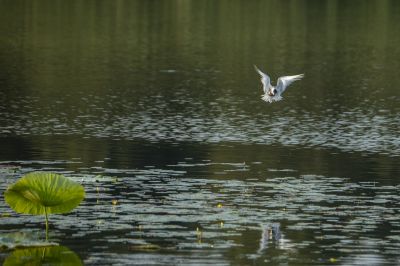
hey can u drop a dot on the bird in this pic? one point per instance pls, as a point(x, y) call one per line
point(274, 93)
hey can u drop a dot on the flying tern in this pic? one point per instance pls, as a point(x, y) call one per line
point(273, 93)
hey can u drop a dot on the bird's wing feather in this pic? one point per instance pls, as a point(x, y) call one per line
point(265, 80)
point(285, 81)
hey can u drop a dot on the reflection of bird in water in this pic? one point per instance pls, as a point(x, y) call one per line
point(273, 93)
point(269, 233)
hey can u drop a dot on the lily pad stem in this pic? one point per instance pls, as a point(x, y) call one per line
point(47, 223)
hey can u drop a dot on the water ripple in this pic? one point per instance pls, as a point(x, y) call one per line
point(162, 209)
point(357, 129)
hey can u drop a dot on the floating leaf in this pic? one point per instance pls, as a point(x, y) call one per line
point(333, 260)
point(145, 247)
point(39, 193)
point(57, 255)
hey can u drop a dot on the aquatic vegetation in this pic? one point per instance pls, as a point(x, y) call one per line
point(164, 214)
point(56, 255)
point(41, 193)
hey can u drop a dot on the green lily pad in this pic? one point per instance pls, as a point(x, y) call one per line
point(40, 193)
point(57, 255)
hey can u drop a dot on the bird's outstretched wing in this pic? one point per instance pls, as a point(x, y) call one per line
point(265, 80)
point(284, 82)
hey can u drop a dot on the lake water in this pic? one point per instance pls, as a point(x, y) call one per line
point(154, 107)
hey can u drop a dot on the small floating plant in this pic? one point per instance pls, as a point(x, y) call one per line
point(43, 193)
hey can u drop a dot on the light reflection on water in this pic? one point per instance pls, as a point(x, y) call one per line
point(145, 213)
point(155, 107)
point(355, 129)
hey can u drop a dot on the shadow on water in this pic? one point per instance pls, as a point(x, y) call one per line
point(81, 154)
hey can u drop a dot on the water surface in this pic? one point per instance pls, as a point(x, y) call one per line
point(154, 106)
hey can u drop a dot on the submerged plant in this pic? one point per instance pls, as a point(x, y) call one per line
point(41, 193)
